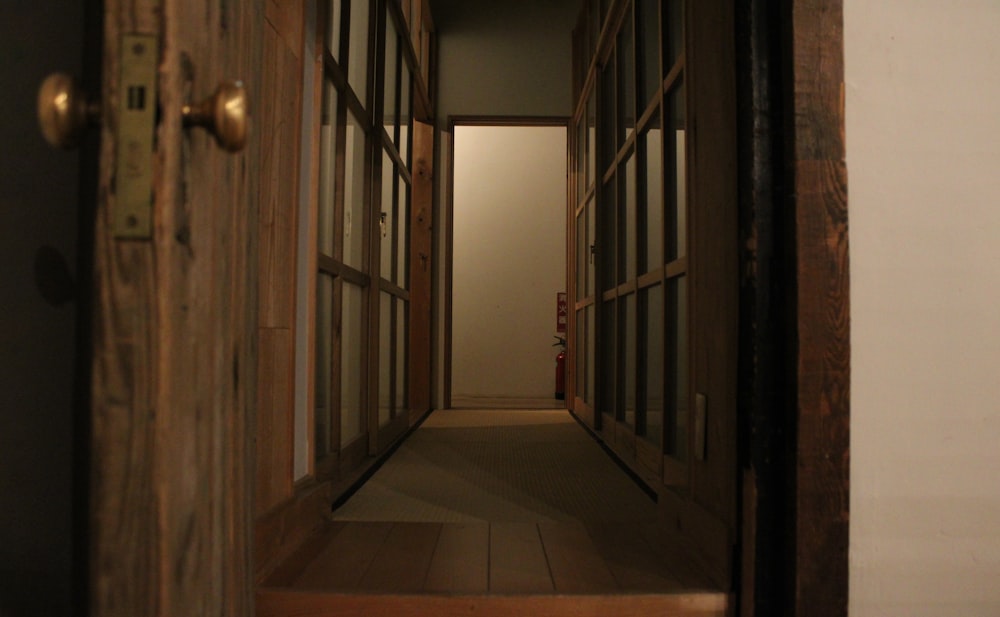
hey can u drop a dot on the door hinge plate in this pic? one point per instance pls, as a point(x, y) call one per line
point(136, 132)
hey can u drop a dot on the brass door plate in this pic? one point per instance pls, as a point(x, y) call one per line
point(136, 131)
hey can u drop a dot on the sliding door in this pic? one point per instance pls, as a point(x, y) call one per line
point(655, 275)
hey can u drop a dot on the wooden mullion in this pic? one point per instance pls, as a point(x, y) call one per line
point(346, 92)
point(331, 266)
point(396, 157)
point(395, 290)
point(650, 279)
point(626, 288)
point(336, 365)
point(582, 304)
point(675, 268)
point(418, 85)
point(392, 361)
point(676, 73)
point(649, 112)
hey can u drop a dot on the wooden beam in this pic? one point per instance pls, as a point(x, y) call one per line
point(822, 329)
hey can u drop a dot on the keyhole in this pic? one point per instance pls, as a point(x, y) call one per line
point(137, 97)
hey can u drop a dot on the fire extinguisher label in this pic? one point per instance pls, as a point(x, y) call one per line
point(562, 312)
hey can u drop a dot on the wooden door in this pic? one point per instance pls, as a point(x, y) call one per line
point(655, 268)
point(174, 318)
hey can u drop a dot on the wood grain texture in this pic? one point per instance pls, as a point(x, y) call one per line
point(279, 129)
point(421, 268)
point(173, 391)
point(283, 532)
point(574, 561)
point(517, 560)
point(279, 134)
point(274, 429)
point(461, 559)
point(400, 566)
point(711, 81)
point(284, 603)
point(360, 542)
point(635, 562)
point(822, 469)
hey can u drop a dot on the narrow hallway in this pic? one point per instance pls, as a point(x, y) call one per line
point(491, 506)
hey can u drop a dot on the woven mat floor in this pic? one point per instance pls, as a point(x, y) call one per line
point(465, 466)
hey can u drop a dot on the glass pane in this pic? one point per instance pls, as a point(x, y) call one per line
point(385, 360)
point(581, 162)
point(333, 28)
point(630, 225)
point(608, 243)
point(591, 353)
point(652, 154)
point(400, 400)
point(402, 234)
point(357, 70)
point(324, 353)
point(591, 245)
point(351, 376)
point(390, 110)
point(327, 172)
point(628, 350)
point(676, 176)
point(607, 132)
point(594, 26)
point(673, 33)
point(609, 368)
point(648, 50)
point(677, 420)
point(591, 137)
point(387, 216)
point(580, 359)
point(652, 310)
point(582, 255)
point(354, 193)
point(405, 114)
point(626, 82)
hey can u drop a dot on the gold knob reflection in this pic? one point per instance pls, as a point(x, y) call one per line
point(225, 114)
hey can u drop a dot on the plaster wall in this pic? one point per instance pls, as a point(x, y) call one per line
point(509, 259)
point(923, 154)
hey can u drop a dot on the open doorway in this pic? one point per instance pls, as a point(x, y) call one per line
point(507, 196)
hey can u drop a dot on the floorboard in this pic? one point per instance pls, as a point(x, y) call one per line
point(461, 559)
point(400, 566)
point(346, 558)
point(575, 563)
point(285, 603)
point(517, 559)
point(488, 514)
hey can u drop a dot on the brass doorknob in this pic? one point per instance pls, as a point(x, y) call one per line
point(63, 111)
point(225, 114)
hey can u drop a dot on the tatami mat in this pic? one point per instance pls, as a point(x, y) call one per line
point(465, 466)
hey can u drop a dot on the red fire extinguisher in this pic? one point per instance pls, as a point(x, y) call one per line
point(560, 369)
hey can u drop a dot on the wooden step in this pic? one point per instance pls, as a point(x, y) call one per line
point(295, 603)
point(482, 569)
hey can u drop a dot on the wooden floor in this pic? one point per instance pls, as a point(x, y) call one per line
point(553, 565)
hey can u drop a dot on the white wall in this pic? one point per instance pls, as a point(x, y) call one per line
point(509, 259)
point(923, 138)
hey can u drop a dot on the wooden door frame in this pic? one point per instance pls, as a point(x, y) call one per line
point(795, 310)
point(449, 209)
point(805, 332)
